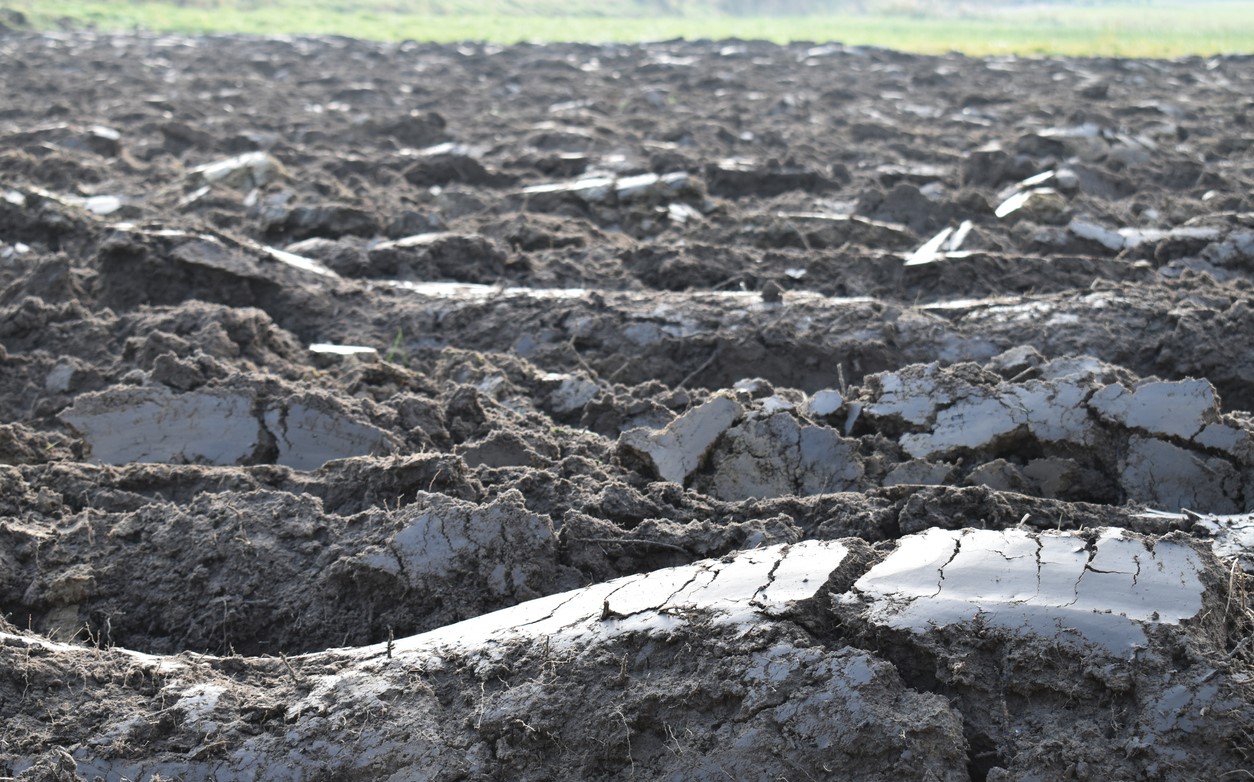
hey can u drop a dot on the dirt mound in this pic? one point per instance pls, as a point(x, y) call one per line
point(666, 411)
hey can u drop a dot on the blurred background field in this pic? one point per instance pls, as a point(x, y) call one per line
point(1150, 28)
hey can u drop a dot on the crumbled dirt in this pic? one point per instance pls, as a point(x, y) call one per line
point(311, 345)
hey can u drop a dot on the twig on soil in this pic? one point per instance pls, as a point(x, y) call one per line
point(1024, 375)
point(738, 280)
point(805, 242)
point(704, 366)
point(290, 670)
point(1232, 586)
point(633, 540)
point(1237, 649)
point(591, 372)
point(436, 477)
point(619, 371)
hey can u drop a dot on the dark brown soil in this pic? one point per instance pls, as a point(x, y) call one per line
point(545, 248)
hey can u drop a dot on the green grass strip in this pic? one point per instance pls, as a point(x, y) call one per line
point(1119, 29)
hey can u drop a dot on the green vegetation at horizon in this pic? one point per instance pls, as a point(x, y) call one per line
point(1150, 28)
